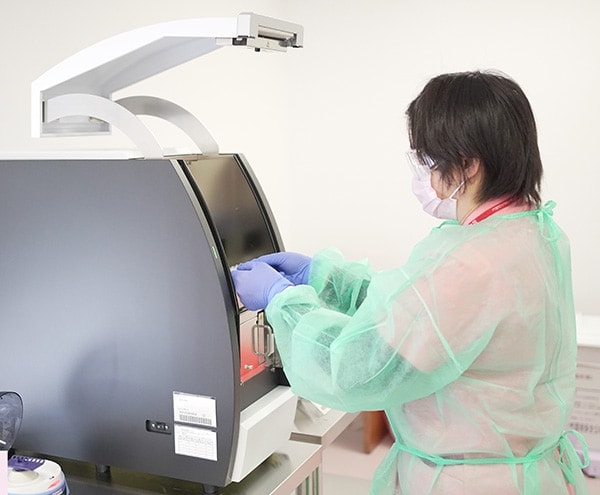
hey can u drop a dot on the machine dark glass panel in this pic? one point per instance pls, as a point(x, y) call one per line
point(233, 207)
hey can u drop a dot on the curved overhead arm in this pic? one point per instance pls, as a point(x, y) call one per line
point(127, 58)
point(107, 110)
point(177, 115)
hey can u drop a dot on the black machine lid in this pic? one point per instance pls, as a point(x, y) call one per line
point(11, 414)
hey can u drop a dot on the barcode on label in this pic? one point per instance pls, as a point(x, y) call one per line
point(186, 418)
point(197, 410)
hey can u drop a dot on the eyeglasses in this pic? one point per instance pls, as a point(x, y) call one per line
point(420, 164)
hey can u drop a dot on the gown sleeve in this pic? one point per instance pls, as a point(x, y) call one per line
point(355, 340)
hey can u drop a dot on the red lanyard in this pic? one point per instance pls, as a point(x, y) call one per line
point(492, 210)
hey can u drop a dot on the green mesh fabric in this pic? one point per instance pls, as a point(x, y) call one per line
point(469, 347)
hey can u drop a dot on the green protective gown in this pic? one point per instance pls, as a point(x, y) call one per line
point(470, 349)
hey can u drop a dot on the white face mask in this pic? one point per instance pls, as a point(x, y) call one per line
point(440, 208)
point(421, 167)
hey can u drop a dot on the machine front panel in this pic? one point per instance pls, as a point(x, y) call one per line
point(242, 224)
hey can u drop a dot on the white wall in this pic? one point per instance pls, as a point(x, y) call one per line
point(323, 127)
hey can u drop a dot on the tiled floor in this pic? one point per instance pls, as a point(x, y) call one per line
point(348, 470)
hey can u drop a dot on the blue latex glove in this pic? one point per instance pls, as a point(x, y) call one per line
point(257, 283)
point(293, 266)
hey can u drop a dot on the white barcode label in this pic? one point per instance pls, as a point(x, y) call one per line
point(194, 409)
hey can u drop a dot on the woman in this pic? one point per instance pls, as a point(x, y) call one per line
point(470, 346)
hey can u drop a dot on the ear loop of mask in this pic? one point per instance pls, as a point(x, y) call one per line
point(457, 189)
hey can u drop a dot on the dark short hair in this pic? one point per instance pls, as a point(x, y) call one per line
point(479, 115)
